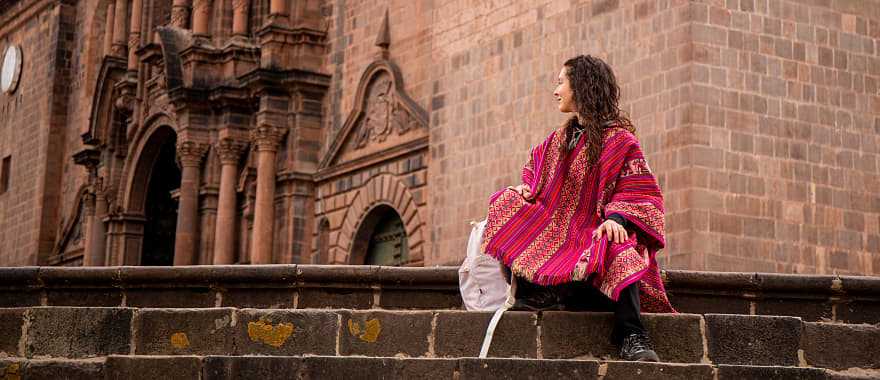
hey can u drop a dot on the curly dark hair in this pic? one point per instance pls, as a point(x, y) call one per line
point(596, 97)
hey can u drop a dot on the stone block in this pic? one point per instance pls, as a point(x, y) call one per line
point(101, 297)
point(566, 335)
point(859, 310)
point(183, 297)
point(676, 337)
point(104, 277)
point(20, 276)
point(528, 369)
point(335, 298)
point(354, 275)
point(286, 332)
point(639, 370)
point(420, 299)
point(263, 298)
point(87, 331)
point(151, 368)
point(753, 340)
point(804, 308)
point(385, 333)
point(20, 297)
point(184, 332)
point(742, 372)
point(11, 321)
point(253, 367)
point(64, 369)
point(709, 303)
point(841, 346)
point(146, 276)
point(379, 368)
point(277, 274)
point(460, 334)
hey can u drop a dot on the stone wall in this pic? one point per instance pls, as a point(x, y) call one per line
point(759, 117)
point(781, 156)
point(32, 127)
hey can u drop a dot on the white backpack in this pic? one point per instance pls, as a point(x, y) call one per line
point(482, 286)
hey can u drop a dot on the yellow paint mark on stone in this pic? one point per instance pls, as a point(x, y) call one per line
point(10, 372)
point(179, 340)
point(274, 336)
point(370, 332)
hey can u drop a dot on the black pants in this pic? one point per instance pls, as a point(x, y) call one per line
point(583, 296)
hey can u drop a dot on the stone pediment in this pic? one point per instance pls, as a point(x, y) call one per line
point(384, 119)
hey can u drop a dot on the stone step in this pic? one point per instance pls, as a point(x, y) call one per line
point(82, 332)
point(332, 367)
point(847, 299)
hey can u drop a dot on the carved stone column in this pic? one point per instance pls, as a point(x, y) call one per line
point(240, 17)
point(119, 30)
point(224, 242)
point(190, 154)
point(95, 256)
point(266, 139)
point(180, 10)
point(200, 17)
point(134, 36)
point(278, 12)
point(90, 158)
point(108, 32)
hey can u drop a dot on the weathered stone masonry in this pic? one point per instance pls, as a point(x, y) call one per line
point(297, 126)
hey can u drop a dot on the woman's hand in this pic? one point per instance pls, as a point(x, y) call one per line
point(523, 190)
point(614, 231)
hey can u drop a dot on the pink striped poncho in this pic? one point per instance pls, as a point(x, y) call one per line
point(547, 238)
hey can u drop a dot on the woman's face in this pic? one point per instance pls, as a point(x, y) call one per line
point(563, 93)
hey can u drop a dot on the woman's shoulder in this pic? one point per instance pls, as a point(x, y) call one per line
point(620, 134)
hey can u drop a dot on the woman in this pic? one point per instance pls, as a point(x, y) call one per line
point(583, 229)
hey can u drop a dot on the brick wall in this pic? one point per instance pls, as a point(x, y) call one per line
point(784, 125)
point(759, 117)
point(493, 99)
point(31, 129)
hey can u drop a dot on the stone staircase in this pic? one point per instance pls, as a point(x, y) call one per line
point(319, 322)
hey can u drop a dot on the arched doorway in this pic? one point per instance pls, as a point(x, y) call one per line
point(160, 208)
point(381, 239)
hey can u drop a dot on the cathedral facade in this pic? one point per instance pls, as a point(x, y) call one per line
point(194, 132)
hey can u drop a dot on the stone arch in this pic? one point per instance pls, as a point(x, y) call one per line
point(142, 155)
point(383, 189)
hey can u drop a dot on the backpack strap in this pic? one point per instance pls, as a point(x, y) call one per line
point(490, 331)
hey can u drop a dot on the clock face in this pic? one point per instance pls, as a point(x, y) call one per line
point(11, 69)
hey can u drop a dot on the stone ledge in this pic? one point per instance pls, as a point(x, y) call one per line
point(403, 276)
point(730, 339)
point(323, 367)
point(813, 298)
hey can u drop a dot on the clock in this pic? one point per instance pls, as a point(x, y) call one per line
point(11, 69)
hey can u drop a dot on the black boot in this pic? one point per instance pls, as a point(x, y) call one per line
point(637, 347)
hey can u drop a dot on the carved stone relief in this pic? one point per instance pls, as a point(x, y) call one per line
point(383, 114)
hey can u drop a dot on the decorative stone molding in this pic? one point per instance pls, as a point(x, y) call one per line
point(382, 108)
point(267, 137)
point(382, 115)
point(191, 153)
point(180, 16)
point(229, 150)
